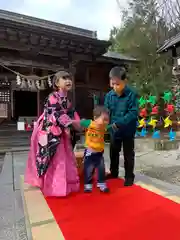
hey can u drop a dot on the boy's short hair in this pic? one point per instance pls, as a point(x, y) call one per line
point(99, 110)
point(119, 72)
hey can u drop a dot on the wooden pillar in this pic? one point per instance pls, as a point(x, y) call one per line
point(87, 80)
point(72, 69)
point(38, 103)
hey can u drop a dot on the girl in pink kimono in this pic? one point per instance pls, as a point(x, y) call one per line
point(51, 163)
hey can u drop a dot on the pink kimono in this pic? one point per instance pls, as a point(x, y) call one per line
point(51, 164)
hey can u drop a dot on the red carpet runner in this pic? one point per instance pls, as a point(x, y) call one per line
point(124, 214)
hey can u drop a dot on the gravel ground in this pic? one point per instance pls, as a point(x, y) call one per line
point(169, 174)
point(162, 165)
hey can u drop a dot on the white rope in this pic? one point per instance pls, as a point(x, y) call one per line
point(24, 76)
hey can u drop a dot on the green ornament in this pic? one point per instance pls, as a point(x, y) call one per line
point(167, 96)
point(152, 100)
point(142, 102)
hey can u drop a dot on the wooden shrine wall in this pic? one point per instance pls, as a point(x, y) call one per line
point(5, 99)
point(90, 80)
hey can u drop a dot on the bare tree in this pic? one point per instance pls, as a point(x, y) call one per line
point(170, 10)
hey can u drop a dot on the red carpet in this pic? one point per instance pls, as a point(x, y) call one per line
point(124, 214)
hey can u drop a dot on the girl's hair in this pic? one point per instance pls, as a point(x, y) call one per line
point(57, 76)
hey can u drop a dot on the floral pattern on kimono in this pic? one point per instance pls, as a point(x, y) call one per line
point(57, 116)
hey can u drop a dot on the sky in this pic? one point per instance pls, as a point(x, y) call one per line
point(96, 15)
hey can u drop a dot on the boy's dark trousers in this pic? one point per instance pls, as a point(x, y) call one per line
point(128, 151)
point(92, 162)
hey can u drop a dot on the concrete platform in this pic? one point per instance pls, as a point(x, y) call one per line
point(40, 220)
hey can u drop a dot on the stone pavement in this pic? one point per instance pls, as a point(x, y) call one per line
point(12, 222)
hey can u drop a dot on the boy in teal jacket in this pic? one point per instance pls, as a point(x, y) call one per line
point(122, 104)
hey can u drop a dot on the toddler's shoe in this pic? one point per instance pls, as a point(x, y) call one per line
point(103, 187)
point(88, 188)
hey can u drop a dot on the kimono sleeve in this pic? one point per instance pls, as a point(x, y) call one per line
point(76, 116)
point(52, 116)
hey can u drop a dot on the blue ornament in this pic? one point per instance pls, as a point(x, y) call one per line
point(137, 134)
point(143, 132)
point(137, 124)
point(156, 134)
point(172, 135)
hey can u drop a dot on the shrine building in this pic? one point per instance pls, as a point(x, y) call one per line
point(36, 48)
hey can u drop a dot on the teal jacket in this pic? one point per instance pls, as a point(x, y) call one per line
point(123, 112)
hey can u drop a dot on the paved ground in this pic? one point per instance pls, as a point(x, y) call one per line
point(12, 224)
point(161, 165)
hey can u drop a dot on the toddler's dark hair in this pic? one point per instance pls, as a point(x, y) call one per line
point(99, 110)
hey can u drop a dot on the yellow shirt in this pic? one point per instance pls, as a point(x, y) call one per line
point(94, 138)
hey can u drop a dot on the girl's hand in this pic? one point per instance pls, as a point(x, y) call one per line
point(76, 124)
point(65, 120)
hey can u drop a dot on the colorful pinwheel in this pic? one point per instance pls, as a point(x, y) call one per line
point(167, 122)
point(152, 100)
point(153, 122)
point(167, 96)
point(142, 102)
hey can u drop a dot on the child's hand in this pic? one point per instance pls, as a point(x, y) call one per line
point(114, 127)
point(76, 124)
point(65, 120)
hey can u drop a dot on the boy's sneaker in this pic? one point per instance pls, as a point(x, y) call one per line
point(88, 188)
point(103, 187)
point(128, 182)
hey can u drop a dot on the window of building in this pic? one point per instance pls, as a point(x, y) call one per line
point(4, 96)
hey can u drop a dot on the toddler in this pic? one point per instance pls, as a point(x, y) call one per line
point(94, 148)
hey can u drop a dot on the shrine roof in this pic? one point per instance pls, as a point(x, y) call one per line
point(37, 22)
point(170, 43)
point(119, 56)
point(48, 35)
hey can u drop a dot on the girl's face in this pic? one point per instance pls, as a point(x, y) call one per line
point(64, 83)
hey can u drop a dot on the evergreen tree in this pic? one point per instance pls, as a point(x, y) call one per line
point(139, 35)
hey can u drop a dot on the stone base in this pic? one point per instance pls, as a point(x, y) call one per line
point(165, 145)
point(79, 160)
